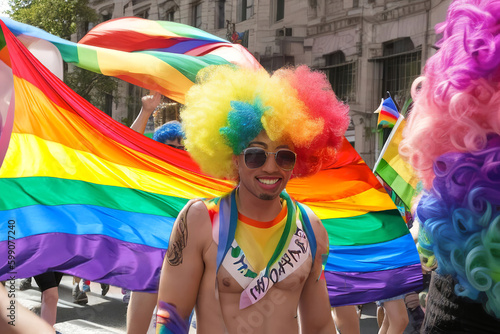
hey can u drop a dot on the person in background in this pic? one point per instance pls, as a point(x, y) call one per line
point(141, 304)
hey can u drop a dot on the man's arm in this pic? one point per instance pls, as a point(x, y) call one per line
point(183, 265)
point(149, 104)
point(314, 304)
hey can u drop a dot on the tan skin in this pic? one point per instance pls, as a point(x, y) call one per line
point(191, 281)
point(346, 319)
point(149, 104)
point(24, 320)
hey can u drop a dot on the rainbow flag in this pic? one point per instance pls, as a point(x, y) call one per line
point(398, 174)
point(372, 254)
point(90, 197)
point(387, 114)
point(158, 55)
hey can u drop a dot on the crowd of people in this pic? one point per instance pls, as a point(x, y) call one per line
point(251, 261)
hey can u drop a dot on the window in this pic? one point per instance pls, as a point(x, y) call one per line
point(220, 14)
point(342, 76)
point(197, 15)
point(398, 46)
point(106, 15)
point(144, 14)
point(280, 10)
point(400, 65)
point(108, 104)
point(244, 10)
point(169, 16)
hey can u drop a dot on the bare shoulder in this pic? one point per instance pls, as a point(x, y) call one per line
point(191, 232)
point(195, 211)
point(197, 220)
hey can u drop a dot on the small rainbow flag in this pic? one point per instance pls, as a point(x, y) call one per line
point(387, 114)
point(87, 196)
point(398, 174)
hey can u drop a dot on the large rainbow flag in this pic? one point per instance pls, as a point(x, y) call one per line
point(158, 55)
point(88, 196)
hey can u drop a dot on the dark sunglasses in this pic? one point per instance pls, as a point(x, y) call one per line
point(256, 157)
point(179, 147)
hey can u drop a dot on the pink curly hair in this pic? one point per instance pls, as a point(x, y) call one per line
point(457, 99)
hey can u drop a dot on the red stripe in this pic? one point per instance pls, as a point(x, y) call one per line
point(129, 41)
point(388, 114)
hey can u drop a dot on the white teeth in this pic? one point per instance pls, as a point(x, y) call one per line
point(268, 181)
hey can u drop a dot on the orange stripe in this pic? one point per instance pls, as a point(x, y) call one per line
point(4, 56)
point(259, 224)
point(345, 182)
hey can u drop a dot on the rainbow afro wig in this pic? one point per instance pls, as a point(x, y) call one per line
point(228, 107)
point(169, 131)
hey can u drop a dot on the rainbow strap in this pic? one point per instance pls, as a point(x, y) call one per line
point(228, 219)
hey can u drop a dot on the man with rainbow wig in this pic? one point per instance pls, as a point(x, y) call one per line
point(251, 261)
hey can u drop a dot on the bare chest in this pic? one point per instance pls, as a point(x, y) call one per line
point(292, 282)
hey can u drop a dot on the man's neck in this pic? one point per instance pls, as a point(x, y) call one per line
point(255, 208)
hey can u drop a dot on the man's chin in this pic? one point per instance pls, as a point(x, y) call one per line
point(268, 197)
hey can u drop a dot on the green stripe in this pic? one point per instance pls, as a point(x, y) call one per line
point(87, 59)
point(189, 66)
point(286, 236)
point(53, 191)
point(69, 52)
point(370, 228)
point(402, 188)
point(3, 43)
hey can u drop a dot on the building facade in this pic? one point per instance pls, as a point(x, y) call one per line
point(366, 47)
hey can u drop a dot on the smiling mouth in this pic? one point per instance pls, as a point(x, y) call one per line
point(268, 181)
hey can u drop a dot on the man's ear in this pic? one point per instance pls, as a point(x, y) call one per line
point(236, 161)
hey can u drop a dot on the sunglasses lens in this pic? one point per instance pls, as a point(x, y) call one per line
point(285, 159)
point(255, 157)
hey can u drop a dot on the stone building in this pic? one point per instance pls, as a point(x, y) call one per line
point(366, 47)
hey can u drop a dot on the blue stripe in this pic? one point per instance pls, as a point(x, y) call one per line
point(185, 46)
point(387, 255)
point(139, 228)
point(18, 28)
point(224, 212)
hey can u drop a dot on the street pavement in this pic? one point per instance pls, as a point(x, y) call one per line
point(103, 315)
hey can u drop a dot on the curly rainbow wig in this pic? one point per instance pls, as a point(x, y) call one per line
point(460, 220)
point(452, 141)
point(228, 107)
point(457, 99)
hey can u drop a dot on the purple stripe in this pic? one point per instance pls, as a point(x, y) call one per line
point(97, 258)
point(184, 46)
point(361, 288)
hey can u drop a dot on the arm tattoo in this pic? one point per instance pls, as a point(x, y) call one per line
point(174, 251)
